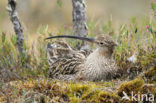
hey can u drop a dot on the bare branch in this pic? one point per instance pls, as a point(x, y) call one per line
point(11, 8)
point(79, 18)
point(79, 21)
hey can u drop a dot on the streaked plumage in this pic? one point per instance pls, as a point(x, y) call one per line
point(68, 64)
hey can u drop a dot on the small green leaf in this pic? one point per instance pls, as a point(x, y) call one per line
point(154, 7)
point(3, 37)
point(43, 29)
point(59, 3)
point(133, 20)
point(14, 39)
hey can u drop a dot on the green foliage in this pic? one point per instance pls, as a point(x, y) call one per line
point(153, 6)
point(59, 3)
point(24, 65)
point(3, 37)
point(8, 53)
point(147, 59)
point(43, 29)
point(13, 39)
point(108, 27)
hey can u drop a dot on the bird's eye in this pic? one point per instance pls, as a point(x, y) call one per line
point(101, 43)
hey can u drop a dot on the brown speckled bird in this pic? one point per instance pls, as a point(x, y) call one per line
point(68, 64)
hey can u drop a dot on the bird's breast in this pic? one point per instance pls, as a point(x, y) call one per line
point(98, 67)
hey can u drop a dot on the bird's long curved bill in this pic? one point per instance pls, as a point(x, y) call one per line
point(73, 37)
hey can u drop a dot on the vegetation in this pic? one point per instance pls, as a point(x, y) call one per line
point(24, 72)
point(24, 78)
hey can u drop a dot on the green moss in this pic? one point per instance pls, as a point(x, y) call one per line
point(49, 90)
point(106, 97)
point(148, 89)
point(60, 92)
point(128, 87)
point(100, 96)
point(150, 75)
point(89, 93)
point(153, 90)
point(77, 89)
point(75, 100)
point(151, 72)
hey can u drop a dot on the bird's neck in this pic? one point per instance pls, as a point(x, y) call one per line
point(97, 63)
point(107, 53)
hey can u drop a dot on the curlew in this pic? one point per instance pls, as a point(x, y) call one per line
point(68, 64)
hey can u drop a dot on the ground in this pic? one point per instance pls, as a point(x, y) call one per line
point(24, 78)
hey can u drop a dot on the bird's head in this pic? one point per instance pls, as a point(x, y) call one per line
point(104, 42)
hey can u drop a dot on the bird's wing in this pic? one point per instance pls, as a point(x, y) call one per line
point(114, 70)
point(63, 60)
